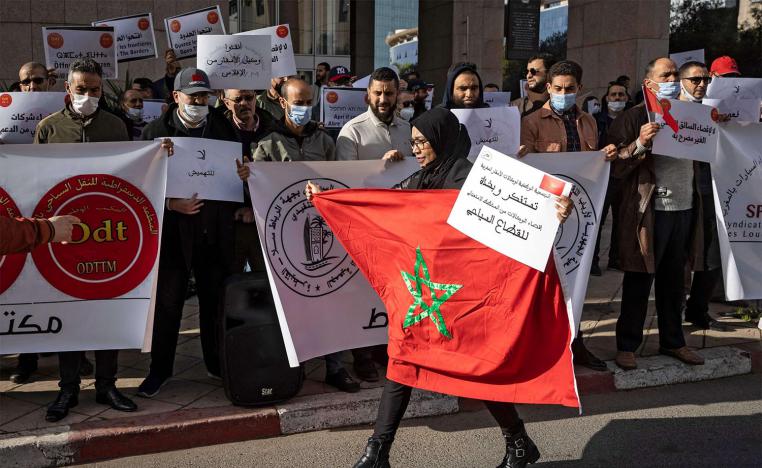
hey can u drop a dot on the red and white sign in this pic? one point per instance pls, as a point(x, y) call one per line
point(340, 105)
point(65, 44)
point(21, 112)
point(135, 39)
point(283, 61)
point(183, 29)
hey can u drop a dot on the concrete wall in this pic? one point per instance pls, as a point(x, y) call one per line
point(612, 38)
point(21, 23)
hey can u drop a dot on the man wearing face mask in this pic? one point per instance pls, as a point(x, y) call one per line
point(131, 112)
point(270, 101)
point(537, 79)
point(658, 225)
point(405, 103)
point(79, 122)
point(197, 235)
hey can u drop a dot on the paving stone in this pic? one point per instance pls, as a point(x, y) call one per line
point(36, 420)
point(183, 392)
point(12, 408)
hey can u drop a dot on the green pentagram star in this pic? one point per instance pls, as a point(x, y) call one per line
point(414, 283)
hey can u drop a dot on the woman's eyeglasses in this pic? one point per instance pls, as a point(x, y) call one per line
point(419, 144)
point(698, 79)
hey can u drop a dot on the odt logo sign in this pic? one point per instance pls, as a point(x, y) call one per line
point(114, 246)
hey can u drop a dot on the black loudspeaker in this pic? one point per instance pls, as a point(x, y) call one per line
point(255, 368)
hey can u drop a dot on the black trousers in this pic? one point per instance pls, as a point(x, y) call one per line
point(394, 401)
point(210, 271)
point(672, 234)
point(705, 281)
point(613, 195)
point(106, 364)
point(28, 361)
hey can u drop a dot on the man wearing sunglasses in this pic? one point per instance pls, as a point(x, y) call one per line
point(537, 78)
point(33, 76)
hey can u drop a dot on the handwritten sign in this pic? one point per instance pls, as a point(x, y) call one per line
point(21, 112)
point(340, 105)
point(688, 56)
point(152, 109)
point(497, 98)
point(135, 39)
point(696, 137)
point(235, 62)
point(65, 44)
point(283, 62)
point(739, 97)
point(184, 29)
point(499, 127)
point(205, 167)
point(509, 206)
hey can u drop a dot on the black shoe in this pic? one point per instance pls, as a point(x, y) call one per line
point(22, 374)
point(376, 454)
point(59, 409)
point(520, 451)
point(343, 381)
point(703, 322)
point(115, 399)
point(151, 385)
point(583, 357)
point(366, 370)
point(595, 270)
point(85, 367)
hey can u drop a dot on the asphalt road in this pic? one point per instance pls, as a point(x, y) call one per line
point(715, 423)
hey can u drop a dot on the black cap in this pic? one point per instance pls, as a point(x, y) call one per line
point(339, 73)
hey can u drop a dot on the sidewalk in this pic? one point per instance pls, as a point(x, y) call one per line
point(192, 409)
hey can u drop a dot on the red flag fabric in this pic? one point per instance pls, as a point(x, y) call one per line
point(661, 107)
point(463, 319)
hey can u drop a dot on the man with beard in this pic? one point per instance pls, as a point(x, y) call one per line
point(537, 79)
point(270, 101)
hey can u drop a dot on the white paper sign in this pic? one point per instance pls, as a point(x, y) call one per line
point(21, 112)
point(739, 97)
point(340, 105)
point(497, 98)
point(65, 44)
point(363, 82)
point(509, 206)
point(283, 62)
point(737, 183)
point(498, 127)
point(135, 39)
point(152, 109)
point(324, 303)
point(697, 133)
point(206, 167)
point(96, 291)
point(739, 110)
point(235, 62)
point(688, 56)
point(183, 30)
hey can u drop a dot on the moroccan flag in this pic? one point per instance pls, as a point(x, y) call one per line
point(661, 107)
point(463, 319)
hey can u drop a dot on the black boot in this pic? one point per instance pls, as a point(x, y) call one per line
point(59, 409)
point(376, 454)
point(520, 451)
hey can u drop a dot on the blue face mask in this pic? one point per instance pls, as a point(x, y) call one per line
point(299, 115)
point(669, 90)
point(562, 102)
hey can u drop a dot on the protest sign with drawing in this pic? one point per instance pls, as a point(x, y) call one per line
point(21, 112)
point(283, 61)
point(205, 167)
point(65, 44)
point(135, 39)
point(499, 127)
point(235, 62)
point(184, 29)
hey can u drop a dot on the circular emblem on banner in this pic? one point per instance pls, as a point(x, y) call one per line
point(143, 24)
point(301, 248)
point(174, 25)
point(281, 31)
point(715, 113)
point(5, 100)
point(331, 97)
point(55, 40)
point(114, 246)
point(10, 265)
point(212, 17)
point(106, 40)
point(579, 231)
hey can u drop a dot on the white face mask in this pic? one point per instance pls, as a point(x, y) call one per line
point(195, 113)
point(407, 113)
point(83, 104)
point(688, 94)
point(616, 106)
point(135, 114)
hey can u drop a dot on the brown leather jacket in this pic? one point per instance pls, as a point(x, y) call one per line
point(23, 234)
point(636, 212)
point(543, 131)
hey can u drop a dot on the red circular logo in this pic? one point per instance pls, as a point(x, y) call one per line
point(331, 97)
point(114, 246)
point(281, 31)
point(715, 113)
point(55, 40)
point(107, 40)
point(174, 26)
point(212, 17)
point(10, 265)
point(5, 100)
point(143, 24)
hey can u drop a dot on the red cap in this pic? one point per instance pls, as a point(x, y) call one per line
point(724, 65)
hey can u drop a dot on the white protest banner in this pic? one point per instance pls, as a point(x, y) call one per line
point(575, 240)
point(65, 44)
point(235, 62)
point(510, 207)
point(96, 291)
point(739, 97)
point(340, 105)
point(497, 98)
point(688, 56)
point(21, 112)
point(183, 30)
point(135, 39)
point(152, 109)
point(324, 303)
point(283, 62)
point(737, 182)
point(363, 82)
point(205, 167)
point(499, 127)
point(696, 137)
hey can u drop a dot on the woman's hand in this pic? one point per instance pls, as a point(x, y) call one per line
point(311, 189)
point(187, 206)
point(243, 169)
point(564, 207)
